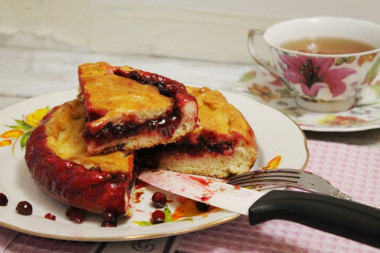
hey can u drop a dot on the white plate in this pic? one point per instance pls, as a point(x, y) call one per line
point(268, 89)
point(277, 135)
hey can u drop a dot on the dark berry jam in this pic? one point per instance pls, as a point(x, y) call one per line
point(165, 125)
point(150, 157)
point(24, 208)
point(224, 148)
point(98, 169)
point(207, 141)
point(166, 86)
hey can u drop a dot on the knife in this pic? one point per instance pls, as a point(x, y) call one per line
point(337, 216)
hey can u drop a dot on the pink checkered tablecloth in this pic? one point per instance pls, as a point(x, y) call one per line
point(353, 169)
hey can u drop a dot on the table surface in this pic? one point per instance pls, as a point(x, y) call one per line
point(29, 72)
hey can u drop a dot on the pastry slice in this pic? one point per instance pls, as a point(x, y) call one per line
point(224, 144)
point(59, 164)
point(129, 109)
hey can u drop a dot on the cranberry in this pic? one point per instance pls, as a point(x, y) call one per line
point(50, 216)
point(75, 214)
point(202, 206)
point(121, 177)
point(162, 88)
point(158, 216)
point(109, 219)
point(95, 168)
point(24, 208)
point(3, 199)
point(159, 200)
point(109, 224)
point(109, 216)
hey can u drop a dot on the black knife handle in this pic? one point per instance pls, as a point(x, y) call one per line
point(337, 216)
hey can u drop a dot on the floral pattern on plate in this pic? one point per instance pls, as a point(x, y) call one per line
point(267, 88)
point(184, 209)
point(22, 128)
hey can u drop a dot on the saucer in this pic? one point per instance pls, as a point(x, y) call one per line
point(266, 88)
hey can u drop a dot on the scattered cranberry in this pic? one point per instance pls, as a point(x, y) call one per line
point(3, 199)
point(109, 224)
point(202, 206)
point(50, 216)
point(109, 216)
point(24, 208)
point(109, 219)
point(159, 200)
point(75, 214)
point(158, 216)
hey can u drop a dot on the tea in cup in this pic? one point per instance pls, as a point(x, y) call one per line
point(326, 61)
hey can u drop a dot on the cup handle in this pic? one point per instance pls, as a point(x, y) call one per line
point(252, 35)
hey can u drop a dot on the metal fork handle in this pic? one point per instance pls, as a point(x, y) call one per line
point(341, 195)
point(335, 192)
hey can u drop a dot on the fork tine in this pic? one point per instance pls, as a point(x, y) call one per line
point(265, 187)
point(255, 173)
point(278, 174)
point(264, 179)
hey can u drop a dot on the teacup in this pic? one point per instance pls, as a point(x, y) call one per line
point(323, 81)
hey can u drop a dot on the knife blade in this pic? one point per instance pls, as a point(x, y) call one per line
point(204, 189)
point(337, 216)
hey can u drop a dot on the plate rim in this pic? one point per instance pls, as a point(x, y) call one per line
point(228, 216)
point(241, 88)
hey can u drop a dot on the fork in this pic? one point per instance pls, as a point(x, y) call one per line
point(280, 178)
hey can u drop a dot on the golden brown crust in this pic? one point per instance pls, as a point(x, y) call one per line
point(115, 98)
point(218, 116)
point(128, 109)
point(65, 137)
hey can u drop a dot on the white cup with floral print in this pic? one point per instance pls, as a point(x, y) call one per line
point(322, 81)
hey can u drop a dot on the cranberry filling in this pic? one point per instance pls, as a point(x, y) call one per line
point(224, 148)
point(207, 141)
point(150, 157)
point(165, 125)
point(166, 86)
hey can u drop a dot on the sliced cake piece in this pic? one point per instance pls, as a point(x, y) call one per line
point(128, 109)
point(59, 164)
point(224, 144)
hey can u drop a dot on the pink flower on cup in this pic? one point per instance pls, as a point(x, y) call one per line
point(314, 73)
